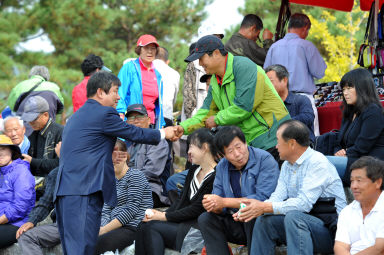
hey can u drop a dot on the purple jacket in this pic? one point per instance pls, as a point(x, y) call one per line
point(17, 192)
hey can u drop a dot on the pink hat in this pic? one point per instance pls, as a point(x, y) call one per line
point(146, 39)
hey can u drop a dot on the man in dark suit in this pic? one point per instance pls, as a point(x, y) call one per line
point(86, 178)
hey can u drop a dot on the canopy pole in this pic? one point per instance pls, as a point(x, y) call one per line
point(375, 41)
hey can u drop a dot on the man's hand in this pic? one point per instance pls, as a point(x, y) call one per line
point(58, 148)
point(213, 203)
point(179, 131)
point(254, 208)
point(267, 34)
point(27, 158)
point(170, 133)
point(210, 122)
point(24, 228)
point(341, 153)
point(119, 156)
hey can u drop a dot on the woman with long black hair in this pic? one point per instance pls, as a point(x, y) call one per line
point(362, 129)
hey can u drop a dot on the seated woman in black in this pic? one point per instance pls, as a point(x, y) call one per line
point(168, 229)
point(362, 128)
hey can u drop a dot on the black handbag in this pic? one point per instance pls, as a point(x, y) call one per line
point(325, 210)
point(326, 143)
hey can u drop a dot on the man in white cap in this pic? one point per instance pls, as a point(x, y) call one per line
point(47, 133)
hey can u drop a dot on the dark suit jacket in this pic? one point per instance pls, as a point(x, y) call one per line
point(363, 137)
point(86, 153)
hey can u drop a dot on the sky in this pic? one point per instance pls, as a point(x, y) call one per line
point(221, 12)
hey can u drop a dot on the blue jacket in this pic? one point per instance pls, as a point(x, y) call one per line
point(131, 91)
point(258, 180)
point(17, 192)
point(300, 108)
point(86, 152)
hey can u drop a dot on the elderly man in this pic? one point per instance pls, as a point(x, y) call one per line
point(306, 176)
point(299, 106)
point(245, 172)
point(47, 133)
point(243, 43)
point(153, 160)
point(37, 85)
point(240, 94)
point(300, 57)
point(14, 128)
point(360, 228)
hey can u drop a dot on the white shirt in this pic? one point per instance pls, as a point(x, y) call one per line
point(361, 233)
point(171, 81)
point(195, 184)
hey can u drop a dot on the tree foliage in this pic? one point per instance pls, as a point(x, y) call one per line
point(76, 28)
point(339, 46)
point(336, 34)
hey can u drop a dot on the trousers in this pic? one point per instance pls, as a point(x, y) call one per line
point(78, 219)
point(301, 232)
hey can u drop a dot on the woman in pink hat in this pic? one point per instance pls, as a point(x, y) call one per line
point(141, 83)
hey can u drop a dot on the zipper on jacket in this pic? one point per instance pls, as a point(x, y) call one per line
point(261, 123)
point(225, 90)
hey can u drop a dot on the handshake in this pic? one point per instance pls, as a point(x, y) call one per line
point(173, 133)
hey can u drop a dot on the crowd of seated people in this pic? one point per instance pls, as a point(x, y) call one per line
point(286, 193)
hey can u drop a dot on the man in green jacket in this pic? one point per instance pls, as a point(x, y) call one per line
point(37, 85)
point(240, 94)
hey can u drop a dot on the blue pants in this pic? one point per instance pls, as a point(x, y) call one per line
point(340, 163)
point(301, 232)
point(175, 179)
point(78, 219)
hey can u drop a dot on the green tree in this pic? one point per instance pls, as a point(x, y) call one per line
point(339, 46)
point(336, 34)
point(108, 28)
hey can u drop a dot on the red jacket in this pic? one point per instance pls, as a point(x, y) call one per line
point(79, 94)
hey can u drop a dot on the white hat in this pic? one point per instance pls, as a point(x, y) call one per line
point(210, 29)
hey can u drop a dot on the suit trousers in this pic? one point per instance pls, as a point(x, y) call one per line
point(78, 219)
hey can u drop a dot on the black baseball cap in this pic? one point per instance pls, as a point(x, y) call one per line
point(204, 45)
point(140, 108)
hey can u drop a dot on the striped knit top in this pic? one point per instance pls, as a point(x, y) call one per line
point(134, 196)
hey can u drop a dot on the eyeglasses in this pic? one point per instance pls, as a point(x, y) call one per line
point(138, 117)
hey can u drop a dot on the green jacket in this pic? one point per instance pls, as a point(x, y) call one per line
point(26, 85)
point(246, 99)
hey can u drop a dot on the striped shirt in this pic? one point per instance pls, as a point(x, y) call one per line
point(301, 184)
point(195, 185)
point(134, 196)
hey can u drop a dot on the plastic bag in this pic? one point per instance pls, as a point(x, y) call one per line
point(193, 242)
